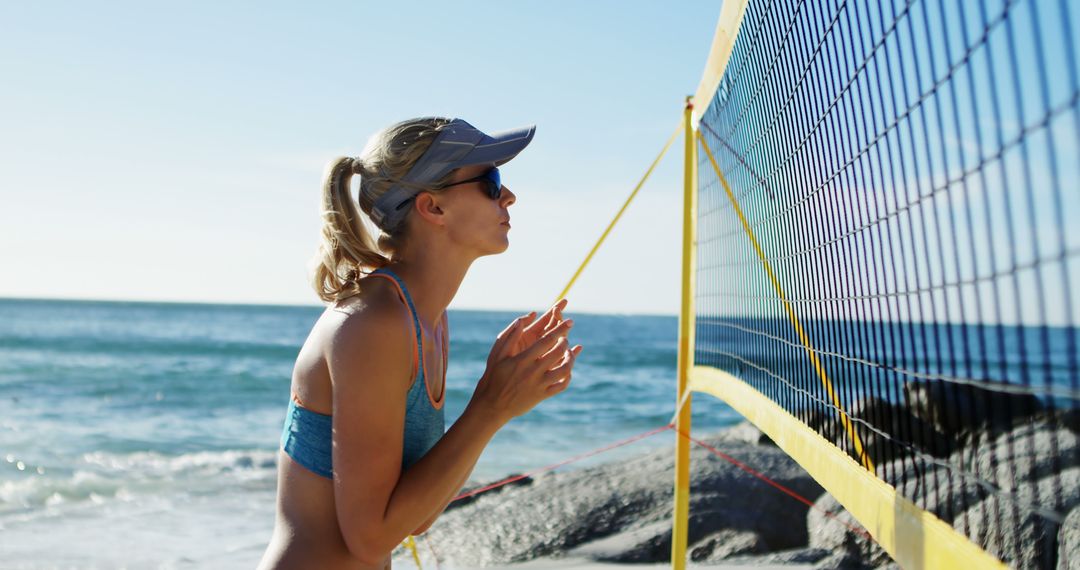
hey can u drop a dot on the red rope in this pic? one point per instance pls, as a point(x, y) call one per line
point(782, 488)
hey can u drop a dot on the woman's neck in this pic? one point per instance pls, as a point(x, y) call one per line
point(432, 278)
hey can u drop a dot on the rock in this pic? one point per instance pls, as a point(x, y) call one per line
point(841, 560)
point(962, 409)
point(629, 502)
point(745, 432)
point(1069, 542)
point(826, 422)
point(473, 485)
point(939, 490)
point(1021, 462)
point(1021, 456)
point(652, 542)
point(832, 534)
point(872, 415)
point(1026, 453)
point(642, 544)
point(1069, 419)
point(785, 557)
point(899, 426)
point(725, 544)
point(1013, 531)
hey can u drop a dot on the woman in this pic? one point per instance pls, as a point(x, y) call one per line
point(364, 460)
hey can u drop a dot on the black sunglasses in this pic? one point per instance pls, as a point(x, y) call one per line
point(492, 183)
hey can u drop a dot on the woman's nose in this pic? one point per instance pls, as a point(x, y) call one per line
point(507, 197)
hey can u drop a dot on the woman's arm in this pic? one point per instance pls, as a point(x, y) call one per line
point(446, 502)
point(513, 340)
point(378, 505)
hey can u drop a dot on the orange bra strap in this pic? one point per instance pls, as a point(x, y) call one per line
point(301, 403)
point(445, 344)
point(417, 349)
point(445, 355)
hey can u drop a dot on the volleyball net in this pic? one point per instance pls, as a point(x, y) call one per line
point(886, 226)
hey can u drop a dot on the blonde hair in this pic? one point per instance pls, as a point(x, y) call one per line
point(348, 249)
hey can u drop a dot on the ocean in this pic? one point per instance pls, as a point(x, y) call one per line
point(144, 435)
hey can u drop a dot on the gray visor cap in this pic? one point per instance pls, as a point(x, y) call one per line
point(457, 145)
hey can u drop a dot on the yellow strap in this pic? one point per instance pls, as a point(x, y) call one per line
point(410, 543)
point(791, 313)
point(617, 216)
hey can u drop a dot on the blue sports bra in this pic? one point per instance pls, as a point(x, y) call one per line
point(307, 434)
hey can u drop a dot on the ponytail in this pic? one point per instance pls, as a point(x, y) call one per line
point(347, 248)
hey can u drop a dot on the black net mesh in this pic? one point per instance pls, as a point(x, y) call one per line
point(910, 171)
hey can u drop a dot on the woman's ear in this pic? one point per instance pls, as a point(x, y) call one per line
point(427, 206)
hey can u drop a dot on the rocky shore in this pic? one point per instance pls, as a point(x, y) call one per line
point(1014, 490)
point(620, 512)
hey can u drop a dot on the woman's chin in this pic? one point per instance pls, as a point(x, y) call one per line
point(494, 248)
point(500, 247)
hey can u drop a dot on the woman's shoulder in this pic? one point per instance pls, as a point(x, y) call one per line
point(375, 316)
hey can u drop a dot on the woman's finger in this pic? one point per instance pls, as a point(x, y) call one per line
point(548, 319)
point(510, 332)
point(511, 340)
point(565, 347)
point(562, 369)
point(567, 362)
point(556, 387)
point(550, 358)
point(541, 347)
point(543, 322)
point(514, 323)
point(555, 315)
point(557, 382)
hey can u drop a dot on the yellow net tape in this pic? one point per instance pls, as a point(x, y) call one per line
point(618, 215)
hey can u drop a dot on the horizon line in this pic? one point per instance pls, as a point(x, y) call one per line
point(292, 305)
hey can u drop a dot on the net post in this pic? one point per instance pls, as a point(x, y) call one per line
point(681, 511)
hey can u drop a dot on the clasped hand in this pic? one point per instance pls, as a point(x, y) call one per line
point(529, 362)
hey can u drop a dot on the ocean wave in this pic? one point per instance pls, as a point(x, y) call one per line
point(101, 477)
point(203, 462)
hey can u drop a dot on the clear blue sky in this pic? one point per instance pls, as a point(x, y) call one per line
point(173, 151)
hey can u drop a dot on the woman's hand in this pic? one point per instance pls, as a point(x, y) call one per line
point(529, 362)
point(534, 331)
